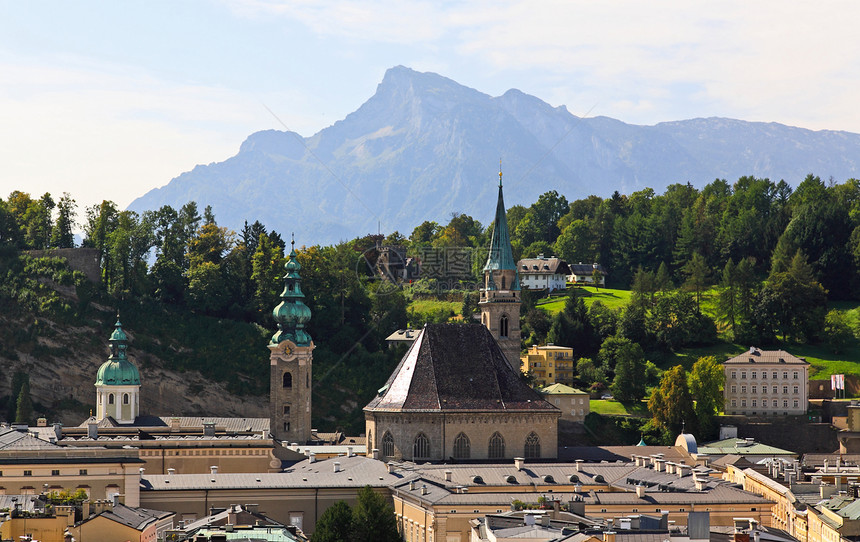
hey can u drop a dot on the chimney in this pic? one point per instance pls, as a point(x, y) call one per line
point(375, 453)
point(213, 469)
point(42, 422)
point(699, 483)
point(349, 451)
point(825, 465)
point(93, 430)
point(142, 471)
point(412, 485)
point(664, 519)
point(171, 470)
point(660, 465)
point(390, 467)
point(175, 423)
point(578, 465)
point(58, 431)
point(448, 475)
point(423, 489)
point(519, 462)
point(114, 500)
point(208, 429)
point(640, 490)
point(544, 520)
point(337, 466)
point(312, 457)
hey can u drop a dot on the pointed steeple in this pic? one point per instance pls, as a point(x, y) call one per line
point(292, 314)
point(501, 256)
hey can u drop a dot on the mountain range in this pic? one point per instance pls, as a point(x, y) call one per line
point(424, 147)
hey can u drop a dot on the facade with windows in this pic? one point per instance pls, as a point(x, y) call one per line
point(453, 395)
point(543, 273)
point(549, 364)
point(766, 383)
point(574, 404)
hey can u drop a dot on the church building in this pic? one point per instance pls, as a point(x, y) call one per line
point(457, 393)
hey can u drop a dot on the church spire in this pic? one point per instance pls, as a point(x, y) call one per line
point(501, 256)
point(292, 314)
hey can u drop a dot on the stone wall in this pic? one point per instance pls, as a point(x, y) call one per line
point(85, 260)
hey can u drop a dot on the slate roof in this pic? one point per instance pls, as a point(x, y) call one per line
point(187, 422)
point(454, 367)
point(756, 355)
point(134, 517)
point(585, 269)
point(533, 266)
point(18, 440)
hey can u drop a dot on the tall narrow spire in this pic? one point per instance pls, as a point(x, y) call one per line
point(501, 256)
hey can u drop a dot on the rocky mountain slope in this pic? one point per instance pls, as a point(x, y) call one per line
point(424, 146)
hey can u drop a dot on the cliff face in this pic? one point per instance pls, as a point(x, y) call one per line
point(62, 361)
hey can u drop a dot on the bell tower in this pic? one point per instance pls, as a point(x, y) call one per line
point(118, 382)
point(500, 295)
point(291, 359)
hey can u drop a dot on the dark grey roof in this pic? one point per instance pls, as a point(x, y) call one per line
point(188, 422)
point(531, 266)
point(19, 440)
point(456, 367)
point(585, 268)
point(134, 517)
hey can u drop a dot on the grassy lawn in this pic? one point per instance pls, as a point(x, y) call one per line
point(614, 408)
point(613, 299)
point(432, 305)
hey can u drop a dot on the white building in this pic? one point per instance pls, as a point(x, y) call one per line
point(543, 273)
point(766, 383)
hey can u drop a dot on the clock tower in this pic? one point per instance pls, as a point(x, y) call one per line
point(291, 360)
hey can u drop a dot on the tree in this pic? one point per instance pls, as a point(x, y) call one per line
point(373, 518)
point(24, 410)
point(470, 307)
point(837, 330)
point(662, 280)
point(671, 404)
point(628, 386)
point(697, 276)
point(334, 525)
point(589, 372)
point(267, 266)
point(19, 378)
point(706, 381)
point(61, 235)
point(791, 304)
point(728, 296)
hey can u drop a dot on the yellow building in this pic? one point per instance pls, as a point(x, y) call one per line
point(42, 527)
point(121, 523)
point(549, 364)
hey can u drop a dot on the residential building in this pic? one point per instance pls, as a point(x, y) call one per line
point(543, 273)
point(120, 523)
point(548, 364)
point(583, 273)
point(766, 383)
point(747, 448)
point(573, 403)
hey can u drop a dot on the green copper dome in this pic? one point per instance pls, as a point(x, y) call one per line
point(292, 314)
point(118, 370)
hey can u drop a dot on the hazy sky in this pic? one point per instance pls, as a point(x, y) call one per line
point(107, 100)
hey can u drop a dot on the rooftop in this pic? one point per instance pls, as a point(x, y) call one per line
point(756, 355)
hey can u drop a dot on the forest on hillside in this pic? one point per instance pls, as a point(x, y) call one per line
point(773, 255)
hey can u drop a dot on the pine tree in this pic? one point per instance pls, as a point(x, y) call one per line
point(373, 518)
point(335, 524)
point(24, 412)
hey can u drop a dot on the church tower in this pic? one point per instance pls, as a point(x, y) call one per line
point(118, 382)
point(500, 296)
point(290, 359)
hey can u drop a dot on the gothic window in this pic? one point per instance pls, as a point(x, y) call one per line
point(462, 447)
point(287, 426)
point(387, 445)
point(125, 398)
point(503, 326)
point(110, 399)
point(421, 447)
point(288, 380)
point(497, 447)
point(503, 282)
point(532, 446)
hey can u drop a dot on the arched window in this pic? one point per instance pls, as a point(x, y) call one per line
point(125, 398)
point(421, 447)
point(503, 282)
point(288, 380)
point(503, 326)
point(110, 399)
point(462, 447)
point(287, 426)
point(387, 445)
point(496, 449)
point(532, 446)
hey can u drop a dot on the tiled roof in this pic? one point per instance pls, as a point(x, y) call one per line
point(134, 517)
point(741, 447)
point(755, 355)
point(453, 367)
